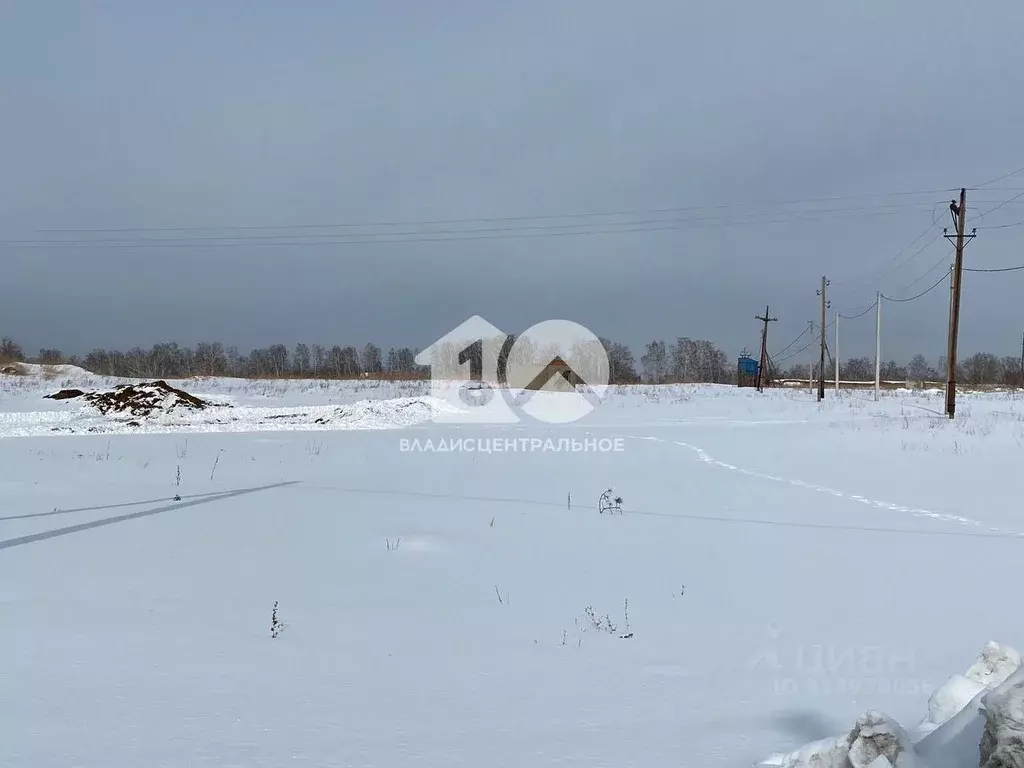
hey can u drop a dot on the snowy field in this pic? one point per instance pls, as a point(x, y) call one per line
point(780, 567)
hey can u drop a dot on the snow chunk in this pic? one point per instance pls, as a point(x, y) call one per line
point(876, 736)
point(947, 701)
point(1002, 744)
point(827, 753)
point(876, 741)
point(995, 664)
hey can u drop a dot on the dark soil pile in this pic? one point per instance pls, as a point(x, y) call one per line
point(65, 394)
point(137, 399)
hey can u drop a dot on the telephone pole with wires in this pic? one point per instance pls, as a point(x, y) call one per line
point(959, 214)
point(766, 318)
point(821, 365)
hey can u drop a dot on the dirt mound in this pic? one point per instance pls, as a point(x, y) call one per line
point(65, 394)
point(136, 399)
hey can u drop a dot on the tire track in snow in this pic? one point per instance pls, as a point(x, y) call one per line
point(707, 458)
point(44, 535)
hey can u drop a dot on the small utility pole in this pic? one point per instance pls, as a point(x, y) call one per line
point(810, 362)
point(878, 343)
point(1022, 360)
point(960, 217)
point(764, 346)
point(821, 364)
point(837, 354)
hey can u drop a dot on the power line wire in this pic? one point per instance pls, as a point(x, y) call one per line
point(794, 341)
point(1002, 226)
point(1004, 203)
point(804, 348)
point(808, 345)
point(876, 210)
point(921, 277)
point(998, 178)
point(1002, 269)
point(428, 222)
point(405, 237)
point(923, 293)
point(875, 276)
point(854, 317)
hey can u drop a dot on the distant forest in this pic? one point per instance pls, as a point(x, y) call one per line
point(686, 360)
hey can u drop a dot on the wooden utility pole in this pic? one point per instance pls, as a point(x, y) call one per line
point(821, 364)
point(764, 346)
point(960, 216)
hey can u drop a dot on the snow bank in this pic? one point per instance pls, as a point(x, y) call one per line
point(876, 741)
point(397, 413)
point(994, 665)
point(1002, 744)
point(948, 737)
point(42, 371)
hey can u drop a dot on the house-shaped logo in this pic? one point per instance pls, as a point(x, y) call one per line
point(464, 373)
point(557, 365)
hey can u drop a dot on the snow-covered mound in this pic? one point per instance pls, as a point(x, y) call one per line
point(395, 413)
point(954, 734)
point(142, 399)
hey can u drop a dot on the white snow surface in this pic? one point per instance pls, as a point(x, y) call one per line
point(782, 567)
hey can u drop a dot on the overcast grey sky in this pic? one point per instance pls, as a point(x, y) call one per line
point(198, 114)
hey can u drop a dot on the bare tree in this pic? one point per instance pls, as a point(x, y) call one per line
point(981, 368)
point(318, 359)
point(621, 365)
point(211, 359)
point(301, 364)
point(859, 369)
point(655, 363)
point(10, 351)
point(372, 359)
point(50, 357)
point(277, 356)
point(919, 370)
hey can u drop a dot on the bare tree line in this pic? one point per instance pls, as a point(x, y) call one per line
point(982, 368)
point(686, 360)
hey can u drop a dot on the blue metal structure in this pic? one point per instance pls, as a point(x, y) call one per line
point(746, 372)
